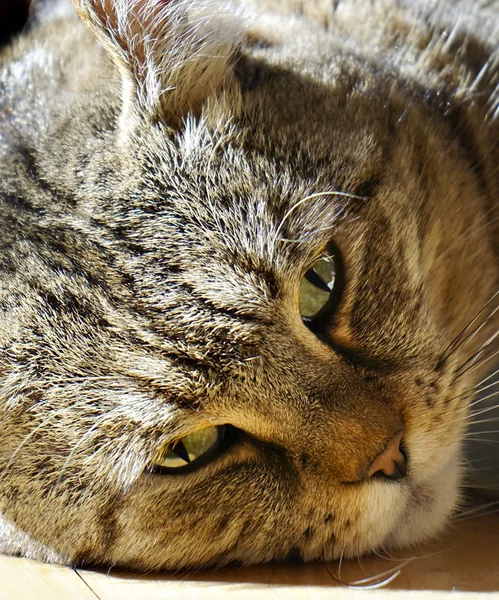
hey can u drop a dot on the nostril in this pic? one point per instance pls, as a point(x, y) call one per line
point(392, 462)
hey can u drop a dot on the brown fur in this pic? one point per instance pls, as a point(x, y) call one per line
point(154, 235)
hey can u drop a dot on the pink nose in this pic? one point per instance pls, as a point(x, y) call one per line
point(392, 462)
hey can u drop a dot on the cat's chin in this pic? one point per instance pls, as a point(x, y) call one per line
point(429, 506)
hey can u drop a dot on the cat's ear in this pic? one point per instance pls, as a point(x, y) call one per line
point(173, 54)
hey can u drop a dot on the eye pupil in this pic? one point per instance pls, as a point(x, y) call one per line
point(181, 452)
point(315, 279)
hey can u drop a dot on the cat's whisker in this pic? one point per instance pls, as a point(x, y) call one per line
point(485, 486)
point(490, 376)
point(387, 555)
point(27, 438)
point(482, 411)
point(479, 354)
point(458, 341)
point(312, 235)
point(380, 579)
point(307, 199)
point(484, 513)
point(478, 510)
point(391, 576)
point(467, 407)
point(460, 396)
point(475, 357)
point(479, 397)
point(470, 232)
point(480, 390)
point(252, 358)
point(477, 365)
point(478, 469)
point(78, 444)
point(84, 378)
point(374, 581)
point(306, 239)
point(482, 421)
point(475, 407)
point(479, 433)
point(340, 562)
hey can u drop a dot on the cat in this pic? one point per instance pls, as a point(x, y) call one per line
point(249, 263)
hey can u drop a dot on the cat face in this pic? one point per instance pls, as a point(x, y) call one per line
point(159, 298)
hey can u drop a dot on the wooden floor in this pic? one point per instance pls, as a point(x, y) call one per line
point(464, 563)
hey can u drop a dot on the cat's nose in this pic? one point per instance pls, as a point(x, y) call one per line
point(392, 462)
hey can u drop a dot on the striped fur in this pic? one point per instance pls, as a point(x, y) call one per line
point(158, 212)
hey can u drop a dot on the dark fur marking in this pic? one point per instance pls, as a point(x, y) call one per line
point(228, 312)
point(304, 460)
point(222, 526)
point(294, 555)
point(249, 72)
point(17, 202)
point(108, 521)
point(466, 138)
point(33, 171)
point(367, 188)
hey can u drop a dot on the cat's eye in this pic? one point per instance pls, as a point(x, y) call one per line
point(318, 284)
point(188, 453)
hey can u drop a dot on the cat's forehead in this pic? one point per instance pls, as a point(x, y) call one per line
point(234, 210)
point(252, 192)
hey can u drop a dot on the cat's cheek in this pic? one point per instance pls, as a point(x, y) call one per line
point(428, 508)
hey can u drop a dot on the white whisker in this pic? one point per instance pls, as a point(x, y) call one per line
point(481, 421)
point(481, 510)
point(377, 581)
point(496, 372)
point(27, 438)
point(485, 344)
point(479, 364)
point(482, 398)
point(470, 232)
point(459, 340)
point(311, 197)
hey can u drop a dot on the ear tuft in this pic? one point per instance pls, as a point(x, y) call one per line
point(173, 54)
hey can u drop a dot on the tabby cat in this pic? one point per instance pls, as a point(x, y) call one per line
point(248, 260)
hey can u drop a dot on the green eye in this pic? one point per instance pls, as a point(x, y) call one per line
point(189, 452)
point(317, 285)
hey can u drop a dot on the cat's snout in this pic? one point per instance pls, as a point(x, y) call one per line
point(392, 462)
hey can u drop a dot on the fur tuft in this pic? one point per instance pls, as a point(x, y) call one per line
point(173, 54)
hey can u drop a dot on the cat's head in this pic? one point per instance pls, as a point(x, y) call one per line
point(180, 317)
